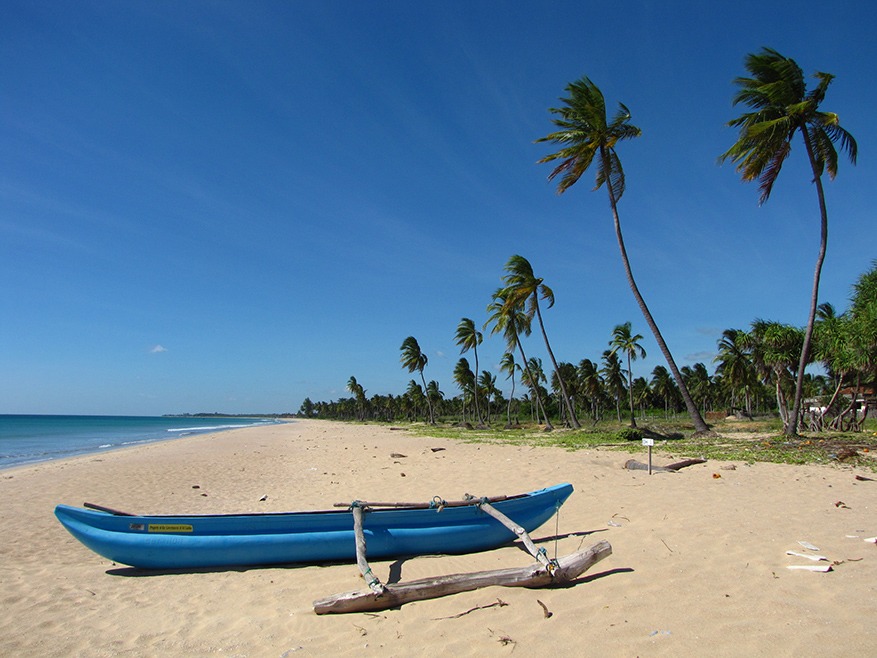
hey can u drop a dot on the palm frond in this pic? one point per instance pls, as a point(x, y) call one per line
point(830, 123)
point(771, 171)
point(547, 294)
point(824, 153)
point(584, 133)
point(616, 174)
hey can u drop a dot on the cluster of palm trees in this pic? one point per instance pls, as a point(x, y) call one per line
point(781, 108)
point(756, 374)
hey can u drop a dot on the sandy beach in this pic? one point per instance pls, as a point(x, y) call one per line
point(699, 560)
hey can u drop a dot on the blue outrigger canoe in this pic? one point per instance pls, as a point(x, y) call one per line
point(228, 540)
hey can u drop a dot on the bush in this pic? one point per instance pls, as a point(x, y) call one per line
point(629, 434)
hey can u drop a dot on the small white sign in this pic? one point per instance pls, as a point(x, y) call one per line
point(648, 442)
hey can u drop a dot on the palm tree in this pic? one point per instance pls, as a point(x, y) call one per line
point(642, 393)
point(523, 290)
point(663, 386)
point(834, 345)
point(590, 385)
point(465, 379)
point(774, 348)
point(433, 395)
point(468, 337)
point(699, 383)
point(413, 397)
point(507, 365)
point(359, 393)
point(414, 359)
point(781, 107)
point(508, 319)
point(533, 378)
point(487, 387)
point(565, 378)
point(586, 135)
point(624, 341)
point(847, 345)
point(735, 366)
point(613, 376)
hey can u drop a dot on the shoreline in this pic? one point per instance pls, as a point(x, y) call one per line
point(122, 441)
point(699, 557)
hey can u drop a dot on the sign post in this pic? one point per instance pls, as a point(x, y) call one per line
point(649, 443)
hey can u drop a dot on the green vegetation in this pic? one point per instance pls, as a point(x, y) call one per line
point(755, 377)
point(748, 442)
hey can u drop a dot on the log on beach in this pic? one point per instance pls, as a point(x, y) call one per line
point(634, 465)
point(535, 575)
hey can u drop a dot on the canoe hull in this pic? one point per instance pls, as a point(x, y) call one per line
point(187, 542)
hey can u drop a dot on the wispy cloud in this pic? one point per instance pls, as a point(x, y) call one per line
point(702, 357)
point(158, 349)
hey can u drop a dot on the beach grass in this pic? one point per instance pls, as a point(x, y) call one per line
point(746, 441)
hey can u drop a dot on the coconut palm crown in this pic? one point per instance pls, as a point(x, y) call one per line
point(586, 136)
point(413, 359)
point(782, 106)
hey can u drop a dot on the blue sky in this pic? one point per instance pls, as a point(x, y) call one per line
point(231, 206)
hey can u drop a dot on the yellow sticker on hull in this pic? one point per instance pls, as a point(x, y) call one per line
point(169, 527)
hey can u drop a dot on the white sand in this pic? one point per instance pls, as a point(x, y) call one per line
point(699, 562)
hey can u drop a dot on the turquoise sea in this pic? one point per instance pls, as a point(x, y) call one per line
point(29, 439)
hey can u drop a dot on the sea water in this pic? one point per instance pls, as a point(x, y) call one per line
point(28, 439)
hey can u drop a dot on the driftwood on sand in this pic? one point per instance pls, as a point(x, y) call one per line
point(634, 465)
point(535, 575)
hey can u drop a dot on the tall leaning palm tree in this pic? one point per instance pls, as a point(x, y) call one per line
point(468, 337)
point(523, 289)
point(414, 359)
point(623, 340)
point(586, 136)
point(781, 108)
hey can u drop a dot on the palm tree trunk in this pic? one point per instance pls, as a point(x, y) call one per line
point(837, 388)
point(791, 428)
point(630, 391)
point(511, 397)
point(572, 416)
point(700, 426)
point(781, 400)
point(428, 401)
point(477, 406)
